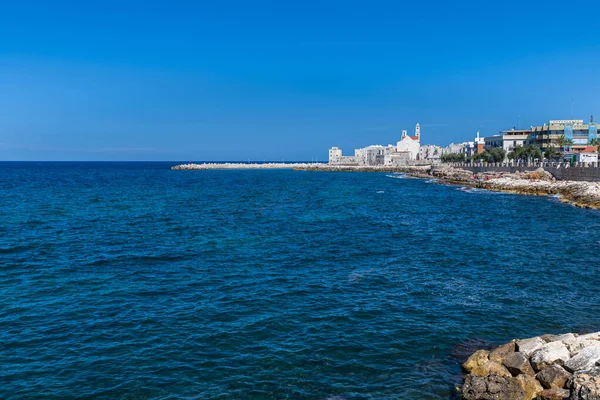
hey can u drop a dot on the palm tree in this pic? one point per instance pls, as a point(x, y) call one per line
point(551, 153)
point(569, 143)
point(565, 143)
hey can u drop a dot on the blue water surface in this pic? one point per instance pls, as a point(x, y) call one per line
point(133, 281)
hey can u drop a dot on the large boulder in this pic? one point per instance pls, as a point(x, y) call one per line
point(531, 387)
point(590, 336)
point(528, 346)
point(558, 338)
point(479, 364)
point(585, 359)
point(518, 363)
point(554, 376)
point(476, 359)
point(492, 387)
point(550, 353)
point(585, 386)
point(500, 352)
point(578, 344)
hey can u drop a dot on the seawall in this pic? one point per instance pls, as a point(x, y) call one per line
point(561, 171)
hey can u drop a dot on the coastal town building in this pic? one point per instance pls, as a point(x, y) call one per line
point(336, 157)
point(455, 148)
point(588, 155)
point(479, 144)
point(406, 150)
point(556, 132)
point(508, 140)
point(430, 152)
point(370, 155)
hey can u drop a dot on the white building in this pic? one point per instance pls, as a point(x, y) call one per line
point(370, 155)
point(587, 155)
point(336, 157)
point(430, 152)
point(410, 144)
point(407, 149)
point(455, 148)
point(508, 140)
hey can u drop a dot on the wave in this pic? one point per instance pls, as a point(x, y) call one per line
point(397, 175)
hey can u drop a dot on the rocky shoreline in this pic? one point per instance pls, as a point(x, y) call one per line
point(548, 367)
point(538, 183)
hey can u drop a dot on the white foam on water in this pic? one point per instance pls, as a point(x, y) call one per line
point(396, 175)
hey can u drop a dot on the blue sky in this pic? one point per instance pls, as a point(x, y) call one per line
point(233, 80)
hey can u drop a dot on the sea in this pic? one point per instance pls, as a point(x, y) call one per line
point(134, 281)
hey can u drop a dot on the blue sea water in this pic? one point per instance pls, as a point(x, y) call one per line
point(132, 281)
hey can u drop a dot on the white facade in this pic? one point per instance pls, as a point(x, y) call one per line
point(454, 148)
point(397, 159)
point(582, 157)
point(370, 155)
point(430, 152)
point(410, 146)
point(335, 155)
point(407, 149)
point(508, 140)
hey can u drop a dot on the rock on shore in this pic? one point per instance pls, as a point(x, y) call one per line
point(549, 367)
point(539, 182)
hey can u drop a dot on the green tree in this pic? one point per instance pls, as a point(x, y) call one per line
point(551, 153)
point(498, 154)
point(569, 144)
point(453, 157)
point(565, 143)
point(517, 153)
point(528, 153)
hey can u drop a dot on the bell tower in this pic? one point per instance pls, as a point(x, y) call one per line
point(418, 131)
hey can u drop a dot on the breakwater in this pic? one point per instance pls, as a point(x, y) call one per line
point(413, 168)
point(213, 166)
point(548, 367)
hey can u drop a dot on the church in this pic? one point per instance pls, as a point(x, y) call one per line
point(407, 149)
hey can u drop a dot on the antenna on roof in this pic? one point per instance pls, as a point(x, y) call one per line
point(572, 108)
point(591, 119)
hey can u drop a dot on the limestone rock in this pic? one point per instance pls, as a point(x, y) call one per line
point(528, 346)
point(492, 387)
point(584, 360)
point(561, 338)
point(518, 363)
point(554, 376)
point(578, 344)
point(479, 364)
point(585, 386)
point(553, 394)
point(531, 387)
point(550, 353)
point(590, 336)
point(477, 359)
point(500, 352)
